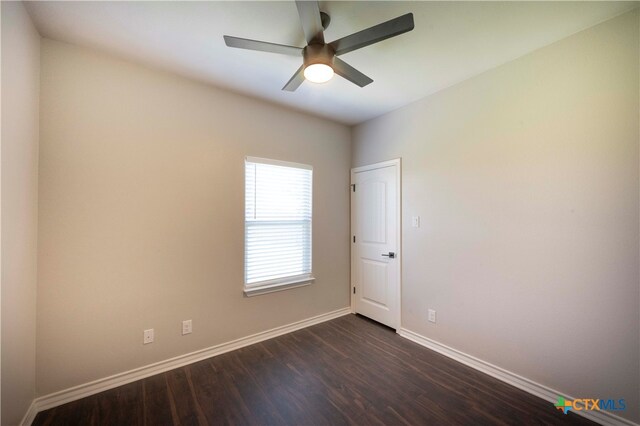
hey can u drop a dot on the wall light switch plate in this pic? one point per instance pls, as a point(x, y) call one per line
point(187, 327)
point(148, 336)
point(432, 315)
point(415, 221)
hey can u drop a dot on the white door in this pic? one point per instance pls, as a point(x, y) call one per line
point(375, 254)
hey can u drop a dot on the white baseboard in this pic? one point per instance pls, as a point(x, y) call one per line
point(603, 417)
point(30, 415)
point(77, 392)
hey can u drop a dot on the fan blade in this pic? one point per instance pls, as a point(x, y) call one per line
point(374, 34)
point(345, 70)
point(295, 81)
point(245, 43)
point(309, 13)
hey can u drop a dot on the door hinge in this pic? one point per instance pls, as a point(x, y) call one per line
point(354, 290)
point(353, 187)
point(354, 238)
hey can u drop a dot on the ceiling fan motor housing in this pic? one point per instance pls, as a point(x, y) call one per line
point(318, 54)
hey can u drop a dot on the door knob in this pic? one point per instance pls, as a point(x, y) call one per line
point(391, 255)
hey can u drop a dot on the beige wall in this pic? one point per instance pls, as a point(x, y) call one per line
point(20, 93)
point(141, 215)
point(526, 180)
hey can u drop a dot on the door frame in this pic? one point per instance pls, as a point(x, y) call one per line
point(394, 162)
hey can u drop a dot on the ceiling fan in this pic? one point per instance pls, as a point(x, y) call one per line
point(320, 59)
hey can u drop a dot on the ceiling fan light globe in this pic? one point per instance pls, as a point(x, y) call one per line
point(318, 73)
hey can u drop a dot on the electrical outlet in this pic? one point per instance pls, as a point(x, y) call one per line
point(187, 327)
point(415, 221)
point(432, 316)
point(148, 336)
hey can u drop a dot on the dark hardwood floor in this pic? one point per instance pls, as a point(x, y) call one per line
point(346, 371)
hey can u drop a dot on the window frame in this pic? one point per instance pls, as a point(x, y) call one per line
point(291, 281)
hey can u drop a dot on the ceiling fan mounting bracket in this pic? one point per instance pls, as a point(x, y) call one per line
point(325, 19)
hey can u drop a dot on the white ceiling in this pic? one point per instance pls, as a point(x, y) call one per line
point(451, 42)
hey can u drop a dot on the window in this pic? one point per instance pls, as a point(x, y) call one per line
point(277, 225)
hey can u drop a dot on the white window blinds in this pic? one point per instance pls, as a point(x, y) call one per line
point(277, 223)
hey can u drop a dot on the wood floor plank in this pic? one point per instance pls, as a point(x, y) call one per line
point(122, 405)
point(182, 399)
point(220, 396)
point(156, 404)
point(348, 371)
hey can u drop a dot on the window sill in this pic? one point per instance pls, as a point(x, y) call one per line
point(271, 288)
